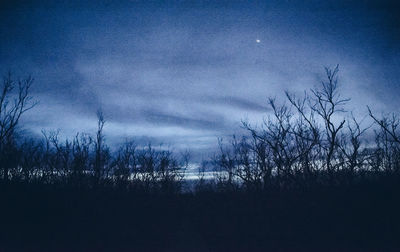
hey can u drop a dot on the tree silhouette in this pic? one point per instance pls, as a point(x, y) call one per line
point(15, 100)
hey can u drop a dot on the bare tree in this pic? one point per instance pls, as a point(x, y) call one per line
point(278, 136)
point(63, 153)
point(298, 144)
point(307, 135)
point(388, 124)
point(327, 103)
point(351, 148)
point(81, 146)
point(225, 162)
point(388, 142)
point(125, 165)
point(14, 101)
point(100, 156)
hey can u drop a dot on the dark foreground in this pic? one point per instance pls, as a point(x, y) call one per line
point(61, 218)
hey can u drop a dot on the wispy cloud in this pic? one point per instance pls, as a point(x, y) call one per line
point(190, 71)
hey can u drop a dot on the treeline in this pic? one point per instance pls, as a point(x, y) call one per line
point(311, 141)
point(304, 142)
point(86, 161)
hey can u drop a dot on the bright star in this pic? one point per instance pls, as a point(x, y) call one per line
point(258, 41)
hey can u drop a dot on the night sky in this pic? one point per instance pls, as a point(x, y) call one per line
point(186, 72)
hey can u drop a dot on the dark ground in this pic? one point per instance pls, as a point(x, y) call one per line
point(38, 217)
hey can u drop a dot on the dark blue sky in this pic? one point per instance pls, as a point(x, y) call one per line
point(185, 72)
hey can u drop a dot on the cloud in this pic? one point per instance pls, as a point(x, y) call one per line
point(187, 72)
